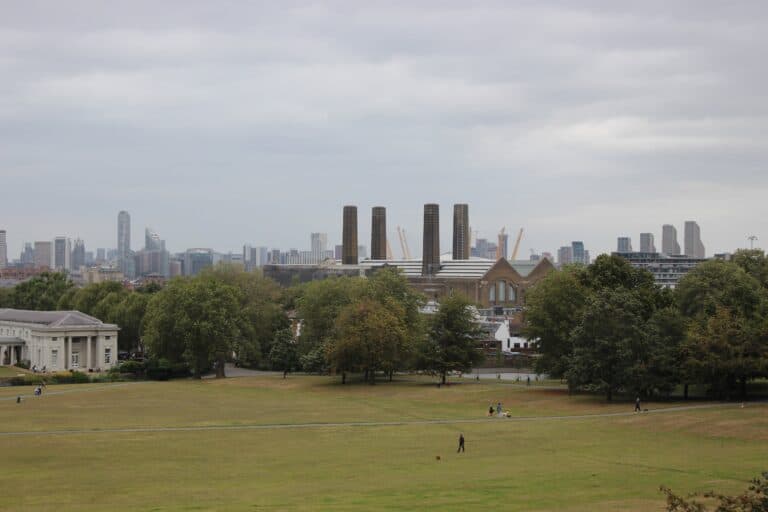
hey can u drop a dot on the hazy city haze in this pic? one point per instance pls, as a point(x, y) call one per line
point(224, 123)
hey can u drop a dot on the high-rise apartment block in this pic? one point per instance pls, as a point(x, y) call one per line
point(78, 254)
point(62, 253)
point(646, 243)
point(196, 260)
point(565, 255)
point(319, 244)
point(669, 245)
point(28, 255)
point(124, 257)
point(624, 244)
point(579, 256)
point(43, 254)
point(693, 246)
point(3, 249)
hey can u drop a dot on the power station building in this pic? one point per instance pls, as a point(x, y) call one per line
point(489, 283)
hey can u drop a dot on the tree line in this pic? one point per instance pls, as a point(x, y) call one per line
point(607, 327)
point(348, 324)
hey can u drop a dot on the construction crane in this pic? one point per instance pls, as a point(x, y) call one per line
point(403, 243)
point(389, 251)
point(517, 244)
point(501, 244)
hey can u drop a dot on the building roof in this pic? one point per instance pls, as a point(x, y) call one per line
point(474, 268)
point(12, 340)
point(51, 318)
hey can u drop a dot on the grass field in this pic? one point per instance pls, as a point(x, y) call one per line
point(103, 447)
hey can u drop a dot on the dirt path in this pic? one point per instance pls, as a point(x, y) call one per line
point(353, 424)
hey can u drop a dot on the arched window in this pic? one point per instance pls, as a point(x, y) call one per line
point(511, 294)
point(492, 293)
point(502, 293)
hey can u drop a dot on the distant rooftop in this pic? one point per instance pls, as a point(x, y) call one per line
point(51, 318)
point(474, 268)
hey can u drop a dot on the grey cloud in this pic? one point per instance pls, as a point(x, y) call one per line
point(205, 119)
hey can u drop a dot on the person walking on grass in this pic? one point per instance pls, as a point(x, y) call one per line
point(461, 443)
point(637, 405)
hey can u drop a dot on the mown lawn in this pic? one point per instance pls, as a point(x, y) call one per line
point(599, 463)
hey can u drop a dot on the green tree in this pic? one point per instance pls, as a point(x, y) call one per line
point(42, 292)
point(6, 297)
point(197, 320)
point(714, 284)
point(726, 343)
point(727, 351)
point(260, 301)
point(609, 344)
point(553, 310)
point(391, 289)
point(368, 337)
point(87, 299)
point(319, 304)
point(129, 315)
point(754, 263)
point(451, 344)
point(663, 356)
point(284, 355)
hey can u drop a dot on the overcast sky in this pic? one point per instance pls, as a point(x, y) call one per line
point(224, 123)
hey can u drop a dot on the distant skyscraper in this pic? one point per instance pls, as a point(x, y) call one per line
point(319, 243)
point(62, 253)
point(153, 259)
point(565, 255)
point(3, 249)
point(578, 252)
point(43, 254)
point(78, 254)
point(124, 256)
point(196, 260)
point(101, 255)
point(152, 241)
point(693, 246)
point(646, 242)
point(669, 245)
point(28, 255)
point(624, 244)
point(338, 252)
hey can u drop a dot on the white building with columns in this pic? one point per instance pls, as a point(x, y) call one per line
point(57, 340)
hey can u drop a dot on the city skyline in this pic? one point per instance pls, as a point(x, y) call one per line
point(321, 239)
point(575, 121)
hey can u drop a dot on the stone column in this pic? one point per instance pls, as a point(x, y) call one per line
point(13, 355)
point(67, 352)
point(2, 355)
point(88, 353)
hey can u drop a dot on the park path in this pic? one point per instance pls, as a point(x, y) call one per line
point(358, 424)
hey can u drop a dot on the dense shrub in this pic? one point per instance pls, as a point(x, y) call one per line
point(135, 368)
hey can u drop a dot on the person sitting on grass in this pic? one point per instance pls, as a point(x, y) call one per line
point(490, 410)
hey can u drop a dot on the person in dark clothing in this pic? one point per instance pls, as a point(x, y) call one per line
point(461, 443)
point(637, 405)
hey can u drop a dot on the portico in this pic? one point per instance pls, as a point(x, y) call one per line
point(57, 340)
